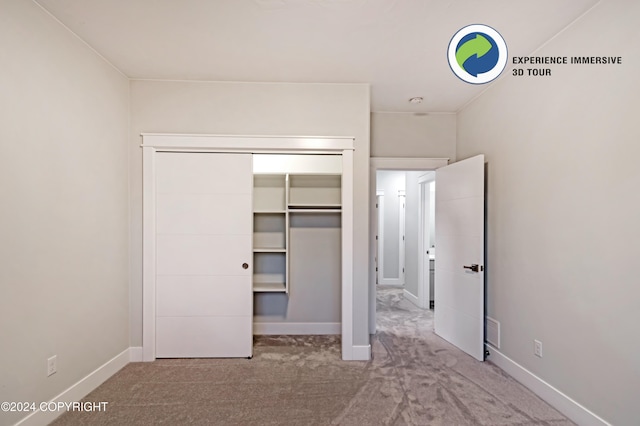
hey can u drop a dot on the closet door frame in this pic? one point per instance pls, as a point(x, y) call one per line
point(156, 142)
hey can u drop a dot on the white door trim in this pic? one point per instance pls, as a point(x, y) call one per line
point(424, 283)
point(378, 238)
point(401, 236)
point(388, 163)
point(154, 142)
point(380, 216)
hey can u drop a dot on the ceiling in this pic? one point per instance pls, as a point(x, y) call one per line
point(398, 46)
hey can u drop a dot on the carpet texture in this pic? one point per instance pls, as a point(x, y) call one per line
point(414, 378)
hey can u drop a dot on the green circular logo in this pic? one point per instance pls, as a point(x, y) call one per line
point(477, 54)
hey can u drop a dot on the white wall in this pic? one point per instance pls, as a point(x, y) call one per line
point(390, 182)
point(64, 214)
point(413, 135)
point(253, 109)
point(563, 213)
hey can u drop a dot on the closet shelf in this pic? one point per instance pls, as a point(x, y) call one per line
point(268, 287)
point(310, 186)
point(331, 210)
point(298, 206)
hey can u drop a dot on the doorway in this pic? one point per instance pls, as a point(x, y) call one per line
point(427, 240)
point(459, 297)
point(417, 177)
point(405, 232)
point(390, 237)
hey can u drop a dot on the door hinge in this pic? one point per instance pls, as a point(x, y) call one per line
point(376, 205)
point(376, 269)
point(376, 237)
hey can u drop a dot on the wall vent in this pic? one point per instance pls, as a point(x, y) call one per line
point(493, 332)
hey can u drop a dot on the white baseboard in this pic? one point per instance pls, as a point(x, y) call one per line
point(411, 297)
point(396, 282)
point(266, 328)
point(567, 406)
point(385, 286)
point(361, 352)
point(135, 354)
point(79, 390)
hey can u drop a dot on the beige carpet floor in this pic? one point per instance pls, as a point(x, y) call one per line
point(414, 378)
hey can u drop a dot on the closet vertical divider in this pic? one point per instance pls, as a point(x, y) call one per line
point(287, 236)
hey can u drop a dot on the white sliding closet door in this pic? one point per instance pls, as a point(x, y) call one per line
point(204, 299)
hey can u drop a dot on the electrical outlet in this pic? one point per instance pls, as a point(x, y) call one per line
point(537, 348)
point(52, 365)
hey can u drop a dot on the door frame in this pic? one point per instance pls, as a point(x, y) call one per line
point(424, 283)
point(379, 237)
point(162, 142)
point(388, 163)
point(401, 233)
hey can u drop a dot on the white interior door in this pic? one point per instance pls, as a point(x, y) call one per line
point(459, 281)
point(204, 305)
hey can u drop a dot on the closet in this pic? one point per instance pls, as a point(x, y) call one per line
point(238, 235)
point(285, 186)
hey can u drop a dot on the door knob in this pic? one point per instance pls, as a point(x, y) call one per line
point(245, 265)
point(474, 267)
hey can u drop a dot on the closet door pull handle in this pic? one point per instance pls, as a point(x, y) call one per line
point(245, 266)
